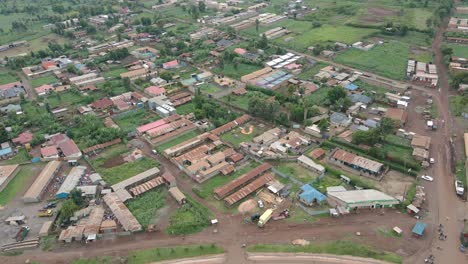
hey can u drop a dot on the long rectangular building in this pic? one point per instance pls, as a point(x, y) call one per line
point(144, 176)
point(33, 194)
point(224, 190)
point(121, 212)
point(250, 188)
point(71, 181)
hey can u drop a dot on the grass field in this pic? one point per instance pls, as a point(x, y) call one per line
point(185, 109)
point(176, 141)
point(145, 207)
point(388, 60)
point(209, 88)
point(242, 69)
point(241, 101)
point(122, 172)
point(235, 137)
point(7, 78)
point(458, 104)
point(370, 88)
point(66, 98)
point(349, 248)
point(205, 190)
point(308, 72)
point(319, 96)
point(158, 254)
point(49, 79)
point(21, 157)
point(191, 217)
point(458, 50)
point(132, 120)
point(328, 181)
point(114, 73)
point(17, 184)
point(297, 171)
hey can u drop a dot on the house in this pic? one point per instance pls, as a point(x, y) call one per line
point(6, 151)
point(360, 98)
point(44, 89)
point(11, 90)
point(158, 81)
point(419, 141)
point(49, 153)
point(313, 130)
point(420, 154)
point(23, 138)
point(317, 153)
point(339, 120)
point(357, 162)
point(102, 104)
point(311, 165)
point(400, 116)
point(174, 64)
point(310, 196)
point(155, 91)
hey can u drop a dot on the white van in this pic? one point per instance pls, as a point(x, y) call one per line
point(459, 189)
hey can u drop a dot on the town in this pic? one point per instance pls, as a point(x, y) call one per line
point(232, 131)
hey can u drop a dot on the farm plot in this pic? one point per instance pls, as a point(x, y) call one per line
point(177, 140)
point(129, 122)
point(297, 171)
point(7, 78)
point(49, 79)
point(192, 217)
point(388, 60)
point(146, 206)
point(458, 50)
point(185, 109)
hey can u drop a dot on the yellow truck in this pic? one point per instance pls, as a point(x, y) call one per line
point(45, 213)
point(265, 217)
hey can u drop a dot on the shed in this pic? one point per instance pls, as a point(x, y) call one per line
point(412, 209)
point(351, 87)
point(88, 190)
point(45, 228)
point(419, 228)
point(71, 181)
point(108, 226)
point(178, 195)
point(397, 230)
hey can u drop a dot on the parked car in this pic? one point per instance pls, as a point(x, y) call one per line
point(260, 204)
point(155, 152)
point(459, 189)
point(50, 205)
point(427, 178)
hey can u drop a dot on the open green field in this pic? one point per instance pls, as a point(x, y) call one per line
point(242, 69)
point(185, 109)
point(458, 50)
point(129, 122)
point(308, 71)
point(49, 79)
point(114, 72)
point(145, 207)
point(209, 88)
point(66, 98)
point(158, 254)
point(319, 97)
point(297, 171)
point(191, 217)
point(18, 183)
point(389, 59)
point(349, 248)
point(369, 87)
point(7, 78)
point(328, 181)
point(235, 136)
point(458, 104)
point(241, 101)
point(127, 170)
point(177, 140)
point(205, 189)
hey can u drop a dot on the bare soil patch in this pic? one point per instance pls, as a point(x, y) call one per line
point(247, 207)
point(381, 12)
point(113, 162)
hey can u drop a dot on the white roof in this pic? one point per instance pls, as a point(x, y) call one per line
point(336, 189)
point(413, 208)
point(362, 196)
point(135, 179)
point(311, 163)
point(88, 189)
point(72, 179)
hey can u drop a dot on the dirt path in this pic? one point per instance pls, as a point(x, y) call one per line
point(32, 95)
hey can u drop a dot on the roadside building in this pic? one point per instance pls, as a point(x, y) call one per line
point(121, 212)
point(340, 120)
point(7, 173)
point(33, 194)
point(23, 138)
point(317, 153)
point(361, 199)
point(178, 195)
point(311, 165)
point(357, 162)
point(400, 116)
point(420, 141)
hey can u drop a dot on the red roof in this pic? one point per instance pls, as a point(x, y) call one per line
point(102, 103)
point(240, 51)
point(152, 125)
point(155, 90)
point(69, 148)
point(49, 151)
point(44, 88)
point(10, 85)
point(171, 64)
point(47, 64)
point(55, 139)
point(23, 138)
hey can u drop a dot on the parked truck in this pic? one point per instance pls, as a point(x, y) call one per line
point(22, 233)
point(45, 213)
point(265, 217)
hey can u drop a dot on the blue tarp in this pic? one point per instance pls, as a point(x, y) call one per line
point(310, 194)
point(351, 87)
point(5, 151)
point(419, 228)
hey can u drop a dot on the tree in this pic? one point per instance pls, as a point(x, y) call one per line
point(77, 197)
point(257, 24)
point(68, 209)
point(3, 134)
point(201, 6)
point(386, 127)
point(263, 43)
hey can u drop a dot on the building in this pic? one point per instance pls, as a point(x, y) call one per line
point(155, 91)
point(420, 141)
point(11, 108)
point(7, 173)
point(44, 89)
point(310, 196)
point(398, 115)
point(86, 79)
point(70, 182)
point(311, 165)
point(23, 138)
point(361, 199)
point(137, 179)
point(317, 153)
point(33, 194)
point(340, 120)
point(121, 212)
point(178, 195)
point(142, 73)
point(11, 90)
point(357, 162)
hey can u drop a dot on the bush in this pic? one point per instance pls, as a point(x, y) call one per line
point(192, 217)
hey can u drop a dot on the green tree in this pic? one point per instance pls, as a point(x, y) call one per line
point(257, 24)
point(77, 197)
point(201, 7)
point(68, 209)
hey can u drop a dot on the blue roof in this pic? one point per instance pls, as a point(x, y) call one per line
point(419, 228)
point(360, 98)
point(351, 86)
point(371, 123)
point(310, 194)
point(5, 151)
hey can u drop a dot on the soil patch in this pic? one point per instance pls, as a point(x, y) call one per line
point(247, 132)
point(113, 162)
point(381, 12)
point(247, 207)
